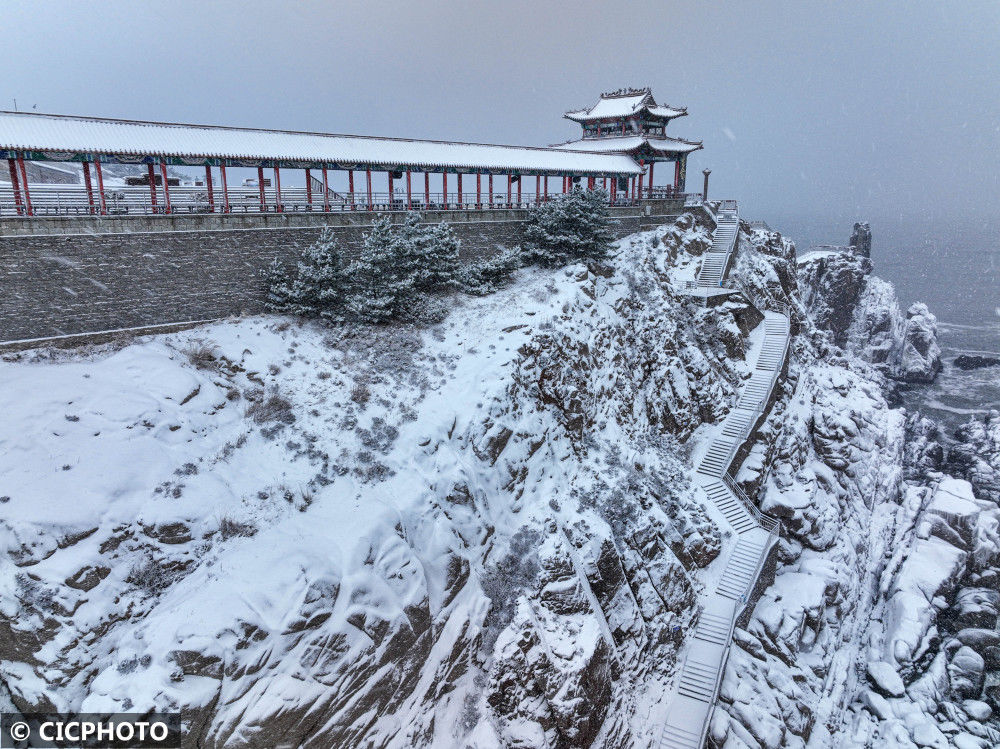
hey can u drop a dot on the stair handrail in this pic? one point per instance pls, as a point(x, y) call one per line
point(731, 244)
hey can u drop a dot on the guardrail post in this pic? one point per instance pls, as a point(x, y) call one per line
point(152, 187)
point(260, 188)
point(208, 184)
point(24, 185)
point(225, 188)
point(15, 182)
point(90, 187)
point(166, 187)
point(100, 186)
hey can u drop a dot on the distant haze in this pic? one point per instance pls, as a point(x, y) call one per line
point(808, 110)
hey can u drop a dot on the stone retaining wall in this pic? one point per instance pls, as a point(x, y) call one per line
point(64, 276)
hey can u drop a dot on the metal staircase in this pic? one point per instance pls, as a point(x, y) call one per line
point(697, 686)
point(716, 260)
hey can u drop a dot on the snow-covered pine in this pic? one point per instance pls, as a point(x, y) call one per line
point(320, 285)
point(430, 253)
point(489, 274)
point(380, 280)
point(569, 227)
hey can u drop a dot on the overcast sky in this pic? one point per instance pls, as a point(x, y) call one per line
point(822, 110)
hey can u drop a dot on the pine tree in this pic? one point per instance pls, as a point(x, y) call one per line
point(429, 254)
point(381, 277)
point(320, 285)
point(483, 277)
point(569, 227)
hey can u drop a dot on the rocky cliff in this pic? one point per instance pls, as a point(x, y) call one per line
point(862, 315)
point(483, 533)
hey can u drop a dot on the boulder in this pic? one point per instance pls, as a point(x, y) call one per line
point(966, 673)
point(977, 710)
point(979, 639)
point(885, 679)
point(977, 607)
point(920, 359)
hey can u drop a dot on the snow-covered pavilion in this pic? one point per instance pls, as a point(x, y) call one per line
point(630, 122)
point(613, 161)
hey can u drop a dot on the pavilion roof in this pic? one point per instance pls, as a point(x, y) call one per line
point(617, 104)
point(62, 137)
point(630, 144)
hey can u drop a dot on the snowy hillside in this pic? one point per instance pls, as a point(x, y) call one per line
point(484, 532)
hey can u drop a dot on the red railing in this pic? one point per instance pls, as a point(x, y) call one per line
point(62, 200)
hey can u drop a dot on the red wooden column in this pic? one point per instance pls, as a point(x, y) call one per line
point(649, 190)
point(24, 185)
point(260, 187)
point(90, 186)
point(427, 189)
point(14, 181)
point(326, 191)
point(458, 178)
point(409, 191)
point(677, 174)
point(166, 187)
point(508, 190)
point(444, 189)
point(350, 186)
point(277, 190)
point(538, 188)
point(225, 188)
point(490, 188)
point(368, 177)
point(389, 175)
point(100, 186)
point(211, 193)
point(591, 183)
point(613, 192)
point(152, 187)
point(309, 189)
point(641, 165)
point(546, 187)
point(520, 178)
point(479, 190)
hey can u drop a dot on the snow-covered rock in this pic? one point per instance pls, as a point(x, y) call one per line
point(920, 358)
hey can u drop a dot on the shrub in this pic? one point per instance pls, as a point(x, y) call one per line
point(486, 276)
point(272, 406)
point(570, 227)
point(200, 354)
point(230, 527)
point(149, 575)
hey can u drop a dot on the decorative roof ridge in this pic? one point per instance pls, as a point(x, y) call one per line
point(627, 92)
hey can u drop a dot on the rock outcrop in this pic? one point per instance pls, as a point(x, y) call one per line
point(861, 313)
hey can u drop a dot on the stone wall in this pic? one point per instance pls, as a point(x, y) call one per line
point(64, 276)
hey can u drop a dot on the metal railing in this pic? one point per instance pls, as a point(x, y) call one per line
point(62, 200)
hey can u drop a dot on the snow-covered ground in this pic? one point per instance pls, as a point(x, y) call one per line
point(266, 522)
point(484, 533)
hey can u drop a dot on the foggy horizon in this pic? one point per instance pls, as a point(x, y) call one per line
point(807, 112)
